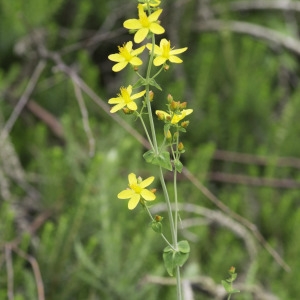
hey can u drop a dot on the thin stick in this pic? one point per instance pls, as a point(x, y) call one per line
point(10, 273)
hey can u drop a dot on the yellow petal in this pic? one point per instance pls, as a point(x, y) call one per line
point(147, 195)
point(119, 66)
point(146, 182)
point(187, 111)
point(137, 51)
point(116, 57)
point(114, 100)
point(156, 28)
point(134, 201)
point(128, 46)
point(162, 113)
point(126, 194)
point(132, 24)
point(132, 105)
point(175, 59)
point(177, 51)
point(153, 17)
point(135, 61)
point(117, 107)
point(157, 50)
point(158, 61)
point(140, 35)
point(138, 95)
point(132, 179)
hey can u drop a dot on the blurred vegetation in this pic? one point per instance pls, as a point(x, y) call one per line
point(59, 212)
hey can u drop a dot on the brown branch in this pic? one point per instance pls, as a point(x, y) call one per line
point(254, 181)
point(46, 117)
point(282, 5)
point(256, 31)
point(257, 159)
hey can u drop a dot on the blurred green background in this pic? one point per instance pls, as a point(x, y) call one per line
point(61, 221)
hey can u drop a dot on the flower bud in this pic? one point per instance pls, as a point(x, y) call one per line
point(180, 147)
point(174, 105)
point(166, 67)
point(135, 68)
point(175, 136)
point(160, 116)
point(183, 105)
point(151, 95)
point(185, 124)
point(153, 190)
point(158, 218)
point(168, 136)
point(127, 111)
point(170, 98)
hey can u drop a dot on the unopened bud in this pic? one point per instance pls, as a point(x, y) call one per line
point(168, 136)
point(183, 105)
point(158, 218)
point(153, 190)
point(232, 270)
point(185, 124)
point(135, 68)
point(174, 105)
point(127, 111)
point(160, 116)
point(170, 98)
point(166, 67)
point(180, 147)
point(151, 95)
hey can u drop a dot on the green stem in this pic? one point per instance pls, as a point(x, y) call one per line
point(173, 228)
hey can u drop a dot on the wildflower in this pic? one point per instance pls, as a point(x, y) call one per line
point(125, 99)
point(164, 52)
point(126, 55)
point(137, 191)
point(174, 117)
point(144, 24)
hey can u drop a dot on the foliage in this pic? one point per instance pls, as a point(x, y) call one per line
point(59, 205)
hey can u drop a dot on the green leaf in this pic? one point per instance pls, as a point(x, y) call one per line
point(180, 258)
point(156, 226)
point(162, 159)
point(184, 246)
point(139, 83)
point(154, 83)
point(227, 286)
point(169, 261)
point(178, 165)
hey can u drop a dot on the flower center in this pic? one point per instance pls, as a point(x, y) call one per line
point(166, 50)
point(125, 53)
point(143, 17)
point(125, 95)
point(136, 188)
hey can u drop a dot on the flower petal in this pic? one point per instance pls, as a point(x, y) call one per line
point(117, 107)
point(140, 35)
point(126, 194)
point(135, 61)
point(146, 182)
point(177, 51)
point(138, 51)
point(132, 24)
point(153, 17)
point(156, 28)
point(132, 105)
point(157, 50)
point(175, 59)
point(159, 60)
point(119, 66)
point(147, 195)
point(138, 95)
point(116, 57)
point(115, 100)
point(132, 179)
point(134, 201)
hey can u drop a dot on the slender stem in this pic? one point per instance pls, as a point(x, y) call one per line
point(146, 131)
point(162, 235)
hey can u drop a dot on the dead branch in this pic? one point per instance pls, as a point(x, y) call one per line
point(259, 32)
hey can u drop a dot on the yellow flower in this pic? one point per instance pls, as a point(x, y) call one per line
point(164, 52)
point(174, 117)
point(126, 55)
point(144, 24)
point(125, 99)
point(137, 191)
